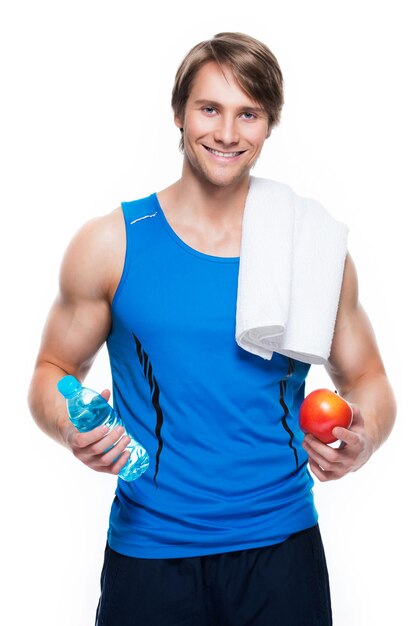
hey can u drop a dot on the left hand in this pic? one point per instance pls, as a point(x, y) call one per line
point(356, 448)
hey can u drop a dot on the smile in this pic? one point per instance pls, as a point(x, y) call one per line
point(224, 155)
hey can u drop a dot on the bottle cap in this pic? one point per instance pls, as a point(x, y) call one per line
point(68, 386)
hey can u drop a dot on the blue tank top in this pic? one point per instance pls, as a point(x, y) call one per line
point(227, 471)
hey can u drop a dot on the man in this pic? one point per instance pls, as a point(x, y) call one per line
point(222, 528)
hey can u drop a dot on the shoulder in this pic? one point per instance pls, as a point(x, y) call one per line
point(94, 255)
point(100, 231)
point(306, 210)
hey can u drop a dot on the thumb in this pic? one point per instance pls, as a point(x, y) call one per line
point(106, 394)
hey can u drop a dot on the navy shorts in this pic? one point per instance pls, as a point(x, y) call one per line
point(284, 584)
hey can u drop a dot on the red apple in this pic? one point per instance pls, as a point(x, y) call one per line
point(321, 411)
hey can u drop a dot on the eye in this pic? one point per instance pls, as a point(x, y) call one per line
point(249, 118)
point(208, 109)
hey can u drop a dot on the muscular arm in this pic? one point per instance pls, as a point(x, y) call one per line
point(356, 368)
point(355, 364)
point(79, 320)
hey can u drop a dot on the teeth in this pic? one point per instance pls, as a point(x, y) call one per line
point(224, 154)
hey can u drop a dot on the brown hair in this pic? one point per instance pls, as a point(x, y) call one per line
point(252, 63)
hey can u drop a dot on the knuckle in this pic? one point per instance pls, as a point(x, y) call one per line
point(116, 438)
point(78, 440)
point(122, 446)
point(96, 448)
point(113, 434)
point(334, 456)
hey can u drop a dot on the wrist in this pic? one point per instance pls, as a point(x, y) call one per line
point(63, 431)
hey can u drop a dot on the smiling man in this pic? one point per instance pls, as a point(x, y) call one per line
point(221, 529)
point(223, 132)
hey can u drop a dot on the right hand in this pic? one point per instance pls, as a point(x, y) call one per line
point(90, 447)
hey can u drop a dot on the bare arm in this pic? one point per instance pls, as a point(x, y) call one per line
point(356, 368)
point(77, 326)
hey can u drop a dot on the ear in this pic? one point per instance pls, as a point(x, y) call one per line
point(178, 122)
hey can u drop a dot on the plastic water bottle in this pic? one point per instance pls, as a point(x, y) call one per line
point(87, 409)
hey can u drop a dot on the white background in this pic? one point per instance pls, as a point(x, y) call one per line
point(85, 123)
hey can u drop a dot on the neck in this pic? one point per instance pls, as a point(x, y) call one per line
point(209, 203)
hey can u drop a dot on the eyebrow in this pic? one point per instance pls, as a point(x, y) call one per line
point(218, 105)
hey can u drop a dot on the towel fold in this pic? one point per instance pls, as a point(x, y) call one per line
point(291, 267)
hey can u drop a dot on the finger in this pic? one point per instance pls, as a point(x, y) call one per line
point(312, 444)
point(330, 461)
point(102, 462)
point(105, 443)
point(83, 440)
point(113, 455)
point(348, 437)
point(121, 462)
point(322, 475)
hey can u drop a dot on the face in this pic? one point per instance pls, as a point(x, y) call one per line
point(223, 129)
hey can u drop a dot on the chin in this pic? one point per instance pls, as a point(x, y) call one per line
point(218, 176)
point(223, 179)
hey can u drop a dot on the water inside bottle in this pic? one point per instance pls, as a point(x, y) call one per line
point(86, 417)
point(137, 463)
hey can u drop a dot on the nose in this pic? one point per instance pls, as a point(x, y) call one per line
point(226, 131)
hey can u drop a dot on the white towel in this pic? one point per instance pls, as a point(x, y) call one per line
point(291, 267)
